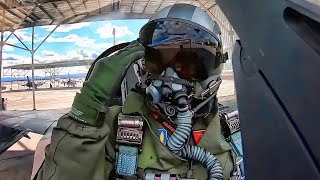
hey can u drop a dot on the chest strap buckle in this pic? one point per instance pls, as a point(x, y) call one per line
point(129, 140)
point(129, 130)
point(151, 176)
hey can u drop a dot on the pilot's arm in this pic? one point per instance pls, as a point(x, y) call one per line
point(77, 150)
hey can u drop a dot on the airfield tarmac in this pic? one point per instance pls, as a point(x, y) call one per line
point(62, 97)
point(45, 99)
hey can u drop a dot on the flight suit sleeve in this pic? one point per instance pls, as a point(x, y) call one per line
point(77, 151)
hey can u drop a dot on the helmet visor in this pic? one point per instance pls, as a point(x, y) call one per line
point(190, 50)
point(168, 31)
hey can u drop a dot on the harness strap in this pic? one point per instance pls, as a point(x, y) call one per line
point(236, 144)
point(230, 124)
point(129, 140)
point(174, 80)
point(127, 160)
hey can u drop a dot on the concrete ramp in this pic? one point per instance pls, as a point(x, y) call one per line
point(16, 162)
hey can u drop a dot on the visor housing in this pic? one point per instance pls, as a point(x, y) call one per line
point(190, 50)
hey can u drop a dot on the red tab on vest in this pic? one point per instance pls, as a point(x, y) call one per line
point(197, 135)
point(167, 125)
point(155, 116)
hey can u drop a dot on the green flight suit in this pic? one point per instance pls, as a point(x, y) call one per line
point(79, 151)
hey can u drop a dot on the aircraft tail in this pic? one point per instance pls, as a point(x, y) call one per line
point(28, 79)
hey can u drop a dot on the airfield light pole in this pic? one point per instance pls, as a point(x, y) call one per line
point(1, 55)
point(1, 49)
point(114, 36)
point(32, 69)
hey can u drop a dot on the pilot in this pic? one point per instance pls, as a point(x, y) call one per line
point(168, 126)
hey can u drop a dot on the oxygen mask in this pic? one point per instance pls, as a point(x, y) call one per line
point(168, 92)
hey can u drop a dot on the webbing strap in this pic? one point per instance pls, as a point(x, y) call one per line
point(129, 140)
point(236, 144)
point(174, 80)
point(127, 158)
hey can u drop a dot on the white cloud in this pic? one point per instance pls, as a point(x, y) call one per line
point(46, 56)
point(82, 42)
point(79, 54)
point(24, 36)
point(121, 41)
point(12, 40)
point(14, 56)
point(7, 48)
point(48, 53)
point(6, 33)
point(106, 30)
point(102, 46)
point(75, 70)
point(73, 38)
point(67, 27)
point(13, 59)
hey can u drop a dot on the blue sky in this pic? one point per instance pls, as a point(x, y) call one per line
point(71, 42)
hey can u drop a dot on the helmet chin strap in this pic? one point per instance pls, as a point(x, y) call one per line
point(207, 93)
point(166, 91)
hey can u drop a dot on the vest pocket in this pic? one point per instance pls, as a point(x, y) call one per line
point(155, 155)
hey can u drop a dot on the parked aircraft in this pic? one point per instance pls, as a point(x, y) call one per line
point(29, 84)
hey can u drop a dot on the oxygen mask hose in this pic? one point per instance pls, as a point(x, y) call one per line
point(177, 142)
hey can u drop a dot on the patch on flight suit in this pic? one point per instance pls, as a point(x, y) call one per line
point(163, 135)
point(197, 135)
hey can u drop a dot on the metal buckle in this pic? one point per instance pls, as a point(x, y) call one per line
point(230, 122)
point(213, 87)
point(129, 136)
point(130, 121)
point(151, 176)
point(129, 129)
point(238, 174)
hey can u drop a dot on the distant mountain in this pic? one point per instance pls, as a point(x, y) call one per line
point(64, 76)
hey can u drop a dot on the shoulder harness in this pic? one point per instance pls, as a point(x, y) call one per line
point(230, 127)
point(129, 140)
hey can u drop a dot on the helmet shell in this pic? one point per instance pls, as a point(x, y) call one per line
point(190, 14)
point(193, 16)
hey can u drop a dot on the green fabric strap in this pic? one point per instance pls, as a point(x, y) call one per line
point(86, 110)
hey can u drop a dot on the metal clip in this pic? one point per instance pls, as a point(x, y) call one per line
point(129, 136)
point(213, 87)
point(151, 176)
point(129, 129)
point(230, 122)
point(130, 121)
point(238, 174)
